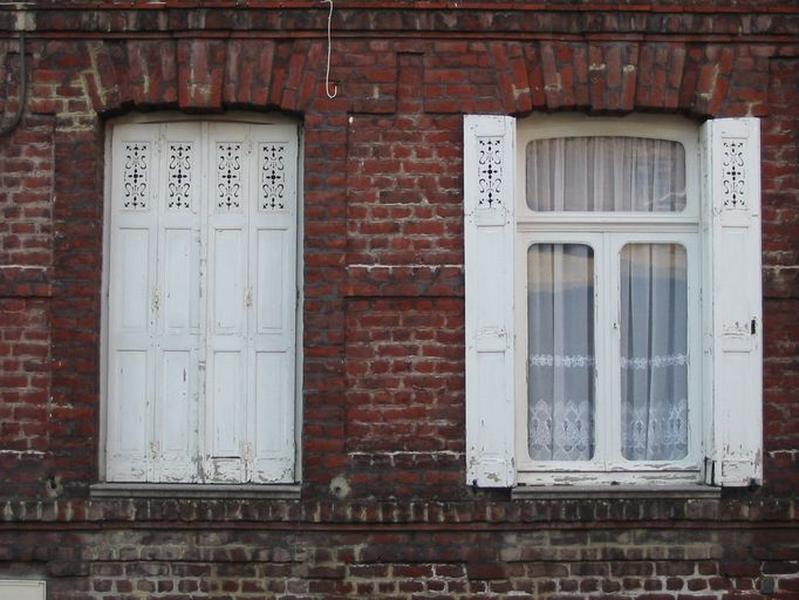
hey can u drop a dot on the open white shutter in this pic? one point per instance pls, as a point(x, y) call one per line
point(489, 146)
point(732, 180)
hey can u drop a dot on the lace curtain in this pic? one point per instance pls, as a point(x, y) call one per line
point(607, 174)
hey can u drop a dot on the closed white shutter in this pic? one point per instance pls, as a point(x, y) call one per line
point(489, 148)
point(271, 321)
point(178, 336)
point(230, 194)
point(132, 302)
point(202, 303)
point(732, 180)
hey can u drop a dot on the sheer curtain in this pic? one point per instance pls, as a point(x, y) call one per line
point(654, 352)
point(560, 389)
point(607, 174)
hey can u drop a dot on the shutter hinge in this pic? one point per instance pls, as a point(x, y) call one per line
point(754, 326)
point(248, 297)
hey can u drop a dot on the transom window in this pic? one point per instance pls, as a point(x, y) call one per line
point(201, 305)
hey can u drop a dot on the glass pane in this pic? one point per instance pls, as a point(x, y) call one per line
point(605, 174)
point(654, 352)
point(560, 392)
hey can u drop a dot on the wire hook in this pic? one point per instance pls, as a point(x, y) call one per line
point(334, 93)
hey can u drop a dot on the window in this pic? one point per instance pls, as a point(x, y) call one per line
point(201, 301)
point(600, 253)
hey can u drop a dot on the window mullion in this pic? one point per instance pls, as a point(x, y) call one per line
point(612, 324)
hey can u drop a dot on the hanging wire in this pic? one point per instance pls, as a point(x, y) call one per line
point(7, 128)
point(329, 49)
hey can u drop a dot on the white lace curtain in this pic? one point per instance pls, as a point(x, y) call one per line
point(608, 174)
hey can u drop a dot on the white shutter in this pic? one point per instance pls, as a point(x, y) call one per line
point(732, 180)
point(230, 194)
point(178, 335)
point(271, 318)
point(132, 304)
point(202, 303)
point(489, 147)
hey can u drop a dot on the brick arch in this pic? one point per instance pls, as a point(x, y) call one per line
point(618, 77)
point(204, 74)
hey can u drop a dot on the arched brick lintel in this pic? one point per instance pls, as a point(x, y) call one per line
point(702, 80)
point(204, 75)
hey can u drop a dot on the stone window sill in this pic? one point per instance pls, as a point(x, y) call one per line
point(190, 490)
point(531, 492)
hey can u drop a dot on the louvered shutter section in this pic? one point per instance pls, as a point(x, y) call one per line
point(732, 181)
point(489, 146)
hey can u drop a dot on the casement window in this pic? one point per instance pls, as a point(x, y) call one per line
point(201, 270)
point(612, 301)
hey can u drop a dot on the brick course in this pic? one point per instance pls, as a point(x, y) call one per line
point(385, 511)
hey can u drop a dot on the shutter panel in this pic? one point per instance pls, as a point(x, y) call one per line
point(272, 309)
point(228, 295)
point(489, 156)
point(178, 335)
point(131, 311)
point(732, 179)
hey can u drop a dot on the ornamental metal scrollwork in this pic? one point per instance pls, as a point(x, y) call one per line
point(733, 182)
point(179, 178)
point(135, 174)
point(273, 176)
point(489, 175)
point(228, 167)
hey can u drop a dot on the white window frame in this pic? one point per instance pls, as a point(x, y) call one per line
point(606, 233)
point(106, 486)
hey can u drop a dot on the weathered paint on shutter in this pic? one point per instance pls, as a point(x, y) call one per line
point(178, 335)
point(489, 146)
point(132, 303)
point(230, 195)
point(202, 303)
point(732, 180)
point(271, 311)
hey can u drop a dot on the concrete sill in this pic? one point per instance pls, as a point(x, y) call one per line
point(623, 492)
point(190, 490)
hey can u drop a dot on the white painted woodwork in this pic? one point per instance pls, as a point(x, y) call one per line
point(16, 589)
point(272, 327)
point(732, 219)
point(202, 302)
point(132, 306)
point(489, 158)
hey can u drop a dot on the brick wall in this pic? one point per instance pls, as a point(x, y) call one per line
point(385, 511)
